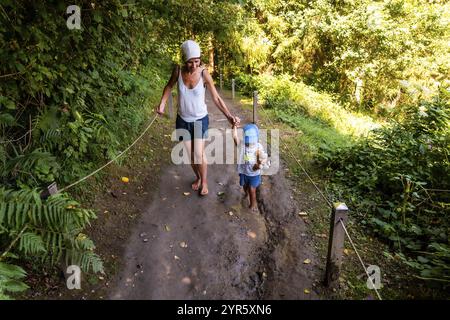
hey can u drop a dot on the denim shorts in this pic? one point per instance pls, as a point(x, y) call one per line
point(188, 130)
point(252, 181)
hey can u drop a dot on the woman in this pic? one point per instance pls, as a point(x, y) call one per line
point(193, 79)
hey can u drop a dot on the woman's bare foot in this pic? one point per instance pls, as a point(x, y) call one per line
point(204, 190)
point(196, 184)
point(254, 209)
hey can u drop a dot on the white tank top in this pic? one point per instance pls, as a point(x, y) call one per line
point(191, 102)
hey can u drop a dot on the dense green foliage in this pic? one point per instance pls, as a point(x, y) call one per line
point(395, 180)
point(363, 50)
point(79, 94)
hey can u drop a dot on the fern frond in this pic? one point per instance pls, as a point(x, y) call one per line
point(87, 260)
point(31, 243)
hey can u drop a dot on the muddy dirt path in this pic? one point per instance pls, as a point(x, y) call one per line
point(213, 247)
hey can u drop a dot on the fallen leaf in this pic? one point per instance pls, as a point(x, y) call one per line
point(176, 257)
point(183, 244)
point(307, 261)
point(220, 193)
point(302, 214)
point(251, 234)
point(125, 179)
point(186, 193)
point(81, 237)
point(230, 213)
point(186, 280)
point(346, 252)
point(167, 228)
point(306, 291)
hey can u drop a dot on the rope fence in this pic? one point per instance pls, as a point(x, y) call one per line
point(359, 257)
point(52, 189)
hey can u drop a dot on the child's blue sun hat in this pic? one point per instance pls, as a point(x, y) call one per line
point(251, 133)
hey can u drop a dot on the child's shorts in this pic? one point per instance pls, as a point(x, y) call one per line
point(252, 181)
point(193, 130)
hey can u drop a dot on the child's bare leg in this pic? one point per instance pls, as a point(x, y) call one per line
point(253, 203)
point(246, 189)
point(247, 192)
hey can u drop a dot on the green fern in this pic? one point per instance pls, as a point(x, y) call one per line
point(32, 168)
point(2, 157)
point(10, 280)
point(31, 243)
point(50, 230)
point(50, 139)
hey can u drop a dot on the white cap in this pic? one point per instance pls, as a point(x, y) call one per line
point(190, 49)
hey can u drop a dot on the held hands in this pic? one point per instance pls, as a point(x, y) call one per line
point(234, 121)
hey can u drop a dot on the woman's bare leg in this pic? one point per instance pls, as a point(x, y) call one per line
point(190, 150)
point(199, 154)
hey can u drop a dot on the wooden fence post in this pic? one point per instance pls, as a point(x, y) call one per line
point(255, 105)
point(232, 88)
point(171, 105)
point(335, 244)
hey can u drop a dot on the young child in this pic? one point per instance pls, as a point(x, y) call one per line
point(251, 159)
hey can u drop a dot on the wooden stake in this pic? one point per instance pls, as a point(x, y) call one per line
point(335, 244)
point(255, 105)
